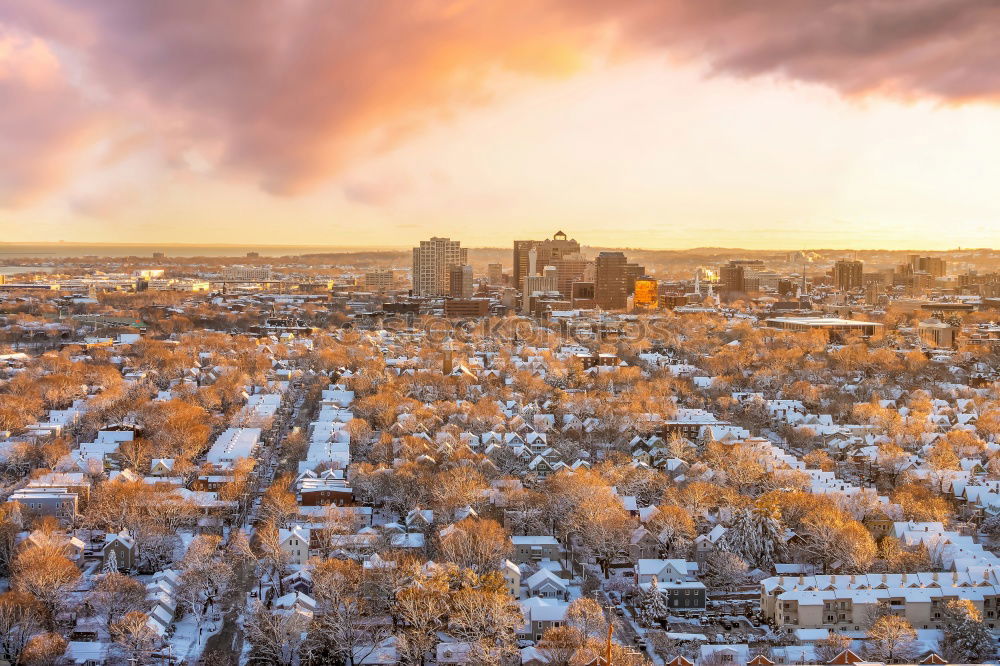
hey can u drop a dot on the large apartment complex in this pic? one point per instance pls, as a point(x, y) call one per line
point(432, 261)
point(847, 602)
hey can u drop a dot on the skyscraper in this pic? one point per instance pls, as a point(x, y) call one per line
point(460, 281)
point(611, 288)
point(494, 274)
point(731, 279)
point(549, 252)
point(521, 250)
point(432, 260)
point(572, 268)
point(847, 274)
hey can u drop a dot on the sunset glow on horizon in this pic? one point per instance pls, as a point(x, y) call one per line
point(661, 124)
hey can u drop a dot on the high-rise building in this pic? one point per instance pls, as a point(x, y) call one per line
point(632, 273)
point(547, 253)
point(731, 279)
point(494, 274)
point(848, 275)
point(538, 284)
point(611, 286)
point(431, 261)
point(460, 281)
point(647, 293)
point(521, 250)
point(935, 266)
point(572, 268)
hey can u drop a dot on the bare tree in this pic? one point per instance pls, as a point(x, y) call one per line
point(275, 638)
point(44, 650)
point(587, 616)
point(20, 619)
point(47, 575)
point(831, 646)
point(116, 595)
point(345, 628)
point(422, 608)
point(488, 619)
point(133, 636)
point(477, 543)
point(560, 645)
point(273, 558)
point(204, 575)
point(890, 639)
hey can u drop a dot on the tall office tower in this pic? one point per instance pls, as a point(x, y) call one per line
point(632, 273)
point(647, 293)
point(431, 261)
point(572, 268)
point(547, 253)
point(848, 275)
point(731, 279)
point(611, 288)
point(933, 265)
point(460, 281)
point(520, 269)
point(494, 274)
point(555, 248)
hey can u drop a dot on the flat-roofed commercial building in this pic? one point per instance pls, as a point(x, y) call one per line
point(830, 324)
point(233, 444)
point(466, 307)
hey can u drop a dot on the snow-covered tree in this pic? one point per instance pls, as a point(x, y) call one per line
point(891, 638)
point(755, 535)
point(966, 640)
point(991, 526)
point(725, 570)
point(652, 604)
point(831, 646)
point(111, 562)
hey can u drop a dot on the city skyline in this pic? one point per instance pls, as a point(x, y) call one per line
point(869, 126)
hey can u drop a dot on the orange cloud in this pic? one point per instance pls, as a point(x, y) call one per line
point(290, 93)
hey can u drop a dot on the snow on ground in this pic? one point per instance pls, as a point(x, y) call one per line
point(187, 642)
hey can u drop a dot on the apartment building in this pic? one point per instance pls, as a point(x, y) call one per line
point(432, 261)
point(846, 602)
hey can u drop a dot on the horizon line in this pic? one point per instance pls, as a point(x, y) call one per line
point(404, 248)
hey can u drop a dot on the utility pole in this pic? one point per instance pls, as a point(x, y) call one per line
point(607, 647)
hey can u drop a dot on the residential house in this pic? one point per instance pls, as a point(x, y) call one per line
point(121, 548)
point(535, 548)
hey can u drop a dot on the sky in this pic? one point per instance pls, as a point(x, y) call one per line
point(646, 123)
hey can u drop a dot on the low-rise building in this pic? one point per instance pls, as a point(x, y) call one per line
point(535, 548)
point(845, 602)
